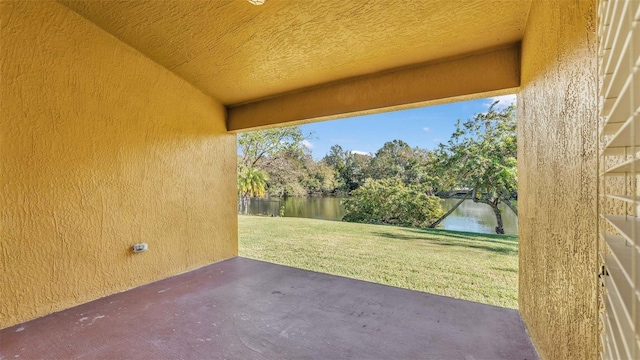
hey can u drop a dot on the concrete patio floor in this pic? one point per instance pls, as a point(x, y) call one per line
point(247, 309)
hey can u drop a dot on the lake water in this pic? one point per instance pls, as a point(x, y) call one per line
point(469, 216)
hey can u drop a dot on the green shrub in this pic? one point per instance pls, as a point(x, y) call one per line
point(389, 201)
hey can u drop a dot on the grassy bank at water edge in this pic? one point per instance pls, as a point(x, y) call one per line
point(470, 266)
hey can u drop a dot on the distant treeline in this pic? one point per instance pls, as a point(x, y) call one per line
point(479, 157)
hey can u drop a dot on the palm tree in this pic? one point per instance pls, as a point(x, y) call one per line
point(251, 183)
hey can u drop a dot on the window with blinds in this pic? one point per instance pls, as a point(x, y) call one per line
point(619, 206)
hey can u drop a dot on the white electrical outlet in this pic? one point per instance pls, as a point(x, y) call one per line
point(140, 247)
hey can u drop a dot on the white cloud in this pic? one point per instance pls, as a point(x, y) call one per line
point(308, 144)
point(359, 152)
point(505, 100)
point(426, 129)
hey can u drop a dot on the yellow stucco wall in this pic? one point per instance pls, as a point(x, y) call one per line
point(473, 76)
point(557, 169)
point(101, 148)
point(240, 53)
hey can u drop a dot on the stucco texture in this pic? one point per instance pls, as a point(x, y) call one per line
point(239, 53)
point(557, 170)
point(489, 73)
point(101, 148)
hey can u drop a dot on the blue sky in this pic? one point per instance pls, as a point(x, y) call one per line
point(423, 127)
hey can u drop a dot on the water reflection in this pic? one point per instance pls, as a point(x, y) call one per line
point(475, 217)
point(469, 216)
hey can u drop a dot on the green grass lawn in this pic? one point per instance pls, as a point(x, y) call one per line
point(476, 267)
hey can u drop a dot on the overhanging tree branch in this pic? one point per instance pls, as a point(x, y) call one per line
point(510, 205)
point(437, 222)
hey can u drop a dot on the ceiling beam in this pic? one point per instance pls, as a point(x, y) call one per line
point(483, 74)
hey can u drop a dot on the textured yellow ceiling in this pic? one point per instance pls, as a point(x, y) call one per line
point(238, 52)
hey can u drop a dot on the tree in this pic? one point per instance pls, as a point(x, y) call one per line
point(319, 177)
point(481, 156)
point(279, 154)
point(336, 157)
point(390, 201)
point(251, 183)
point(285, 173)
point(391, 160)
point(396, 159)
point(260, 148)
point(352, 169)
point(356, 170)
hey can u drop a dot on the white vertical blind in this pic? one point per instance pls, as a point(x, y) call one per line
point(619, 91)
